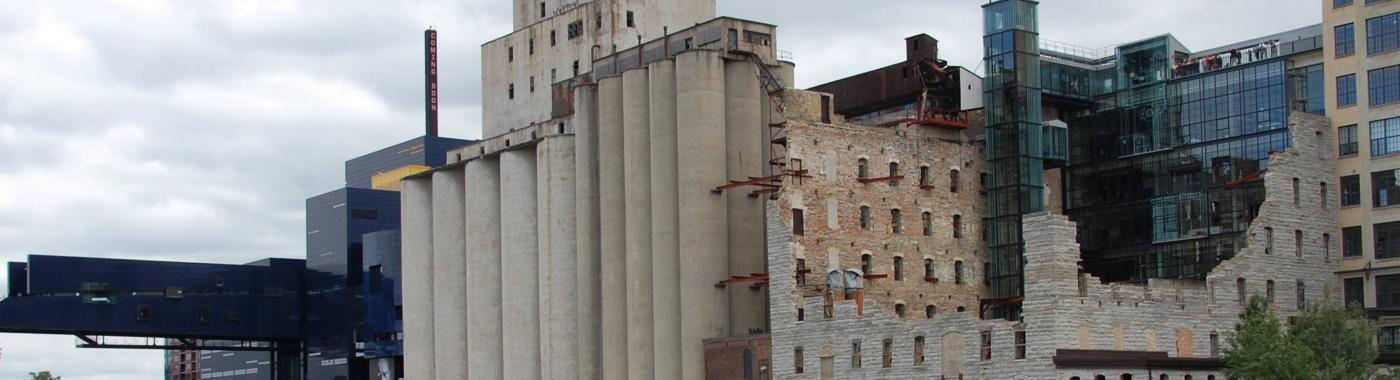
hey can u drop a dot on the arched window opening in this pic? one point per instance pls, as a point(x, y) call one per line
point(958, 272)
point(865, 218)
point(1295, 191)
point(928, 269)
point(865, 263)
point(918, 350)
point(953, 181)
point(898, 268)
point(928, 223)
point(1268, 240)
point(1243, 293)
point(900, 310)
point(923, 178)
point(957, 226)
point(1298, 242)
point(930, 311)
point(896, 224)
point(894, 171)
point(1269, 291)
point(1302, 296)
point(861, 168)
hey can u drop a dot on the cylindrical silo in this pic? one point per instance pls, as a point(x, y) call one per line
point(744, 143)
point(612, 229)
point(520, 305)
point(558, 294)
point(483, 203)
point(636, 169)
point(785, 71)
point(449, 272)
point(416, 202)
point(702, 235)
point(586, 229)
point(665, 259)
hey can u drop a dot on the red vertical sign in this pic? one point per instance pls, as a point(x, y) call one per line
point(430, 75)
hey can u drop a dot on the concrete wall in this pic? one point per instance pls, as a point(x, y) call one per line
point(619, 278)
point(703, 235)
point(520, 264)
point(665, 248)
point(449, 262)
point(558, 266)
point(483, 207)
point(590, 301)
point(744, 143)
point(636, 169)
point(417, 223)
point(612, 227)
point(552, 63)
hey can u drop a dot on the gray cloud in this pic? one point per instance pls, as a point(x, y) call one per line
point(194, 131)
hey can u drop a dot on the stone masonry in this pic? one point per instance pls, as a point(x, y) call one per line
point(1063, 308)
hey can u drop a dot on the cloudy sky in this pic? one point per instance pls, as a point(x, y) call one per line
point(195, 130)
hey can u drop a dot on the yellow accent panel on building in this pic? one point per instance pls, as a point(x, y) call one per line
point(390, 180)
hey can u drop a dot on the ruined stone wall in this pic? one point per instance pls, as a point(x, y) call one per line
point(1066, 310)
point(832, 196)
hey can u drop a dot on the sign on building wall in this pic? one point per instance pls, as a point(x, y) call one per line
point(430, 76)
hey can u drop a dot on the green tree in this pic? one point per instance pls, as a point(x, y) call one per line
point(1339, 338)
point(1260, 347)
point(43, 375)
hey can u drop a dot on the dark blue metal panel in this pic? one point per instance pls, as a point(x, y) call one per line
point(69, 295)
point(335, 224)
point(383, 324)
point(424, 150)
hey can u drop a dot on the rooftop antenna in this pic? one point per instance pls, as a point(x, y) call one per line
point(430, 88)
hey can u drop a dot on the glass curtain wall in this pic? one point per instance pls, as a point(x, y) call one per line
point(1014, 143)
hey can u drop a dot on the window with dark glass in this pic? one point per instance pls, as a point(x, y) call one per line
point(1345, 36)
point(1369, 2)
point(1388, 339)
point(1308, 89)
point(1387, 240)
point(1353, 292)
point(1351, 241)
point(1351, 190)
point(865, 264)
point(376, 279)
point(1384, 190)
point(1340, 3)
point(1382, 33)
point(798, 224)
point(1346, 90)
point(1346, 140)
point(1385, 136)
point(1383, 85)
point(1388, 291)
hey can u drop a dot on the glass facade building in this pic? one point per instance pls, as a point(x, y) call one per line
point(1166, 147)
point(1016, 143)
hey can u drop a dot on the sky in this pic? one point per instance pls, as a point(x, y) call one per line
point(195, 130)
